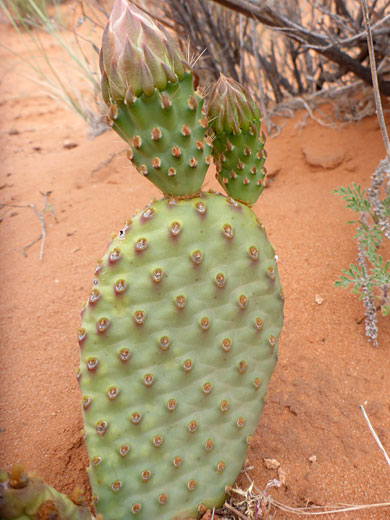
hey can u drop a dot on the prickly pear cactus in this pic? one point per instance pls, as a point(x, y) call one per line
point(179, 335)
point(24, 497)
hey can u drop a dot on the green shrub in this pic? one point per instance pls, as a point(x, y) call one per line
point(370, 276)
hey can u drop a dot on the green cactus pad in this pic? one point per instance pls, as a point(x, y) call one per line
point(24, 497)
point(238, 145)
point(239, 160)
point(178, 342)
point(167, 138)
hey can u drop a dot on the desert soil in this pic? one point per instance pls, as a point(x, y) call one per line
point(312, 424)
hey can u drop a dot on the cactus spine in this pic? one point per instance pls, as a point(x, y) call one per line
point(180, 332)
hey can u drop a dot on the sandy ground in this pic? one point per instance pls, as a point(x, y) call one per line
point(312, 424)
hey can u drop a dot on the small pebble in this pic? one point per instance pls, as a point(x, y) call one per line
point(313, 459)
point(271, 463)
point(282, 476)
point(68, 145)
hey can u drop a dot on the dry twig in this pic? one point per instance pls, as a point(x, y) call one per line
point(377, 440)
point(259, 504)
point(375, 81)
point(235, 511)
point(105, 163)
point(40, 215)
point(325, 43)
point(314, 50)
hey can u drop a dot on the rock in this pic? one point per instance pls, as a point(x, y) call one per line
point(272, 172)
point(319, 299)
point(282, 476)
point(313, 459)
point(209, 516)
point(68, 145)
point(323, 158)
point(271, 463)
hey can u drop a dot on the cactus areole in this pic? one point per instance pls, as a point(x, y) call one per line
point(179, 335)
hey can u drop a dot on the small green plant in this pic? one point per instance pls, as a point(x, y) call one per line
point(370, 276)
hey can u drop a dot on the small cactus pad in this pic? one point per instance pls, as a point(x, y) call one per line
point(238, 145)
point(178, 342)
point(23, 497)
point(166, 132)
point(148, 88)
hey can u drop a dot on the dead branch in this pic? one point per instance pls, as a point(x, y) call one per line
point(331, 50)
point(259, 80)
point(375, 80)
point(235, 511)
point(40, 215)
point(252, 497)
point(374, 434)
point(105, 163)
point(279, 68)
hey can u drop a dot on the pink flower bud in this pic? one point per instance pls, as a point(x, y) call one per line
point(137, 55)
point(231, 108)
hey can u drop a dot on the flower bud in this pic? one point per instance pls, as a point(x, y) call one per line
point(137, 55)
point(231, 108)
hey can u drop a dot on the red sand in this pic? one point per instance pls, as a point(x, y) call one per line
point(326, 367)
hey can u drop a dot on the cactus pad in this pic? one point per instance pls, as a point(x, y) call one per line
point(24, 498)
point(166, 139)
point(239, 161)
point(238, 145)
point(178, 342)
point(148, 87)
